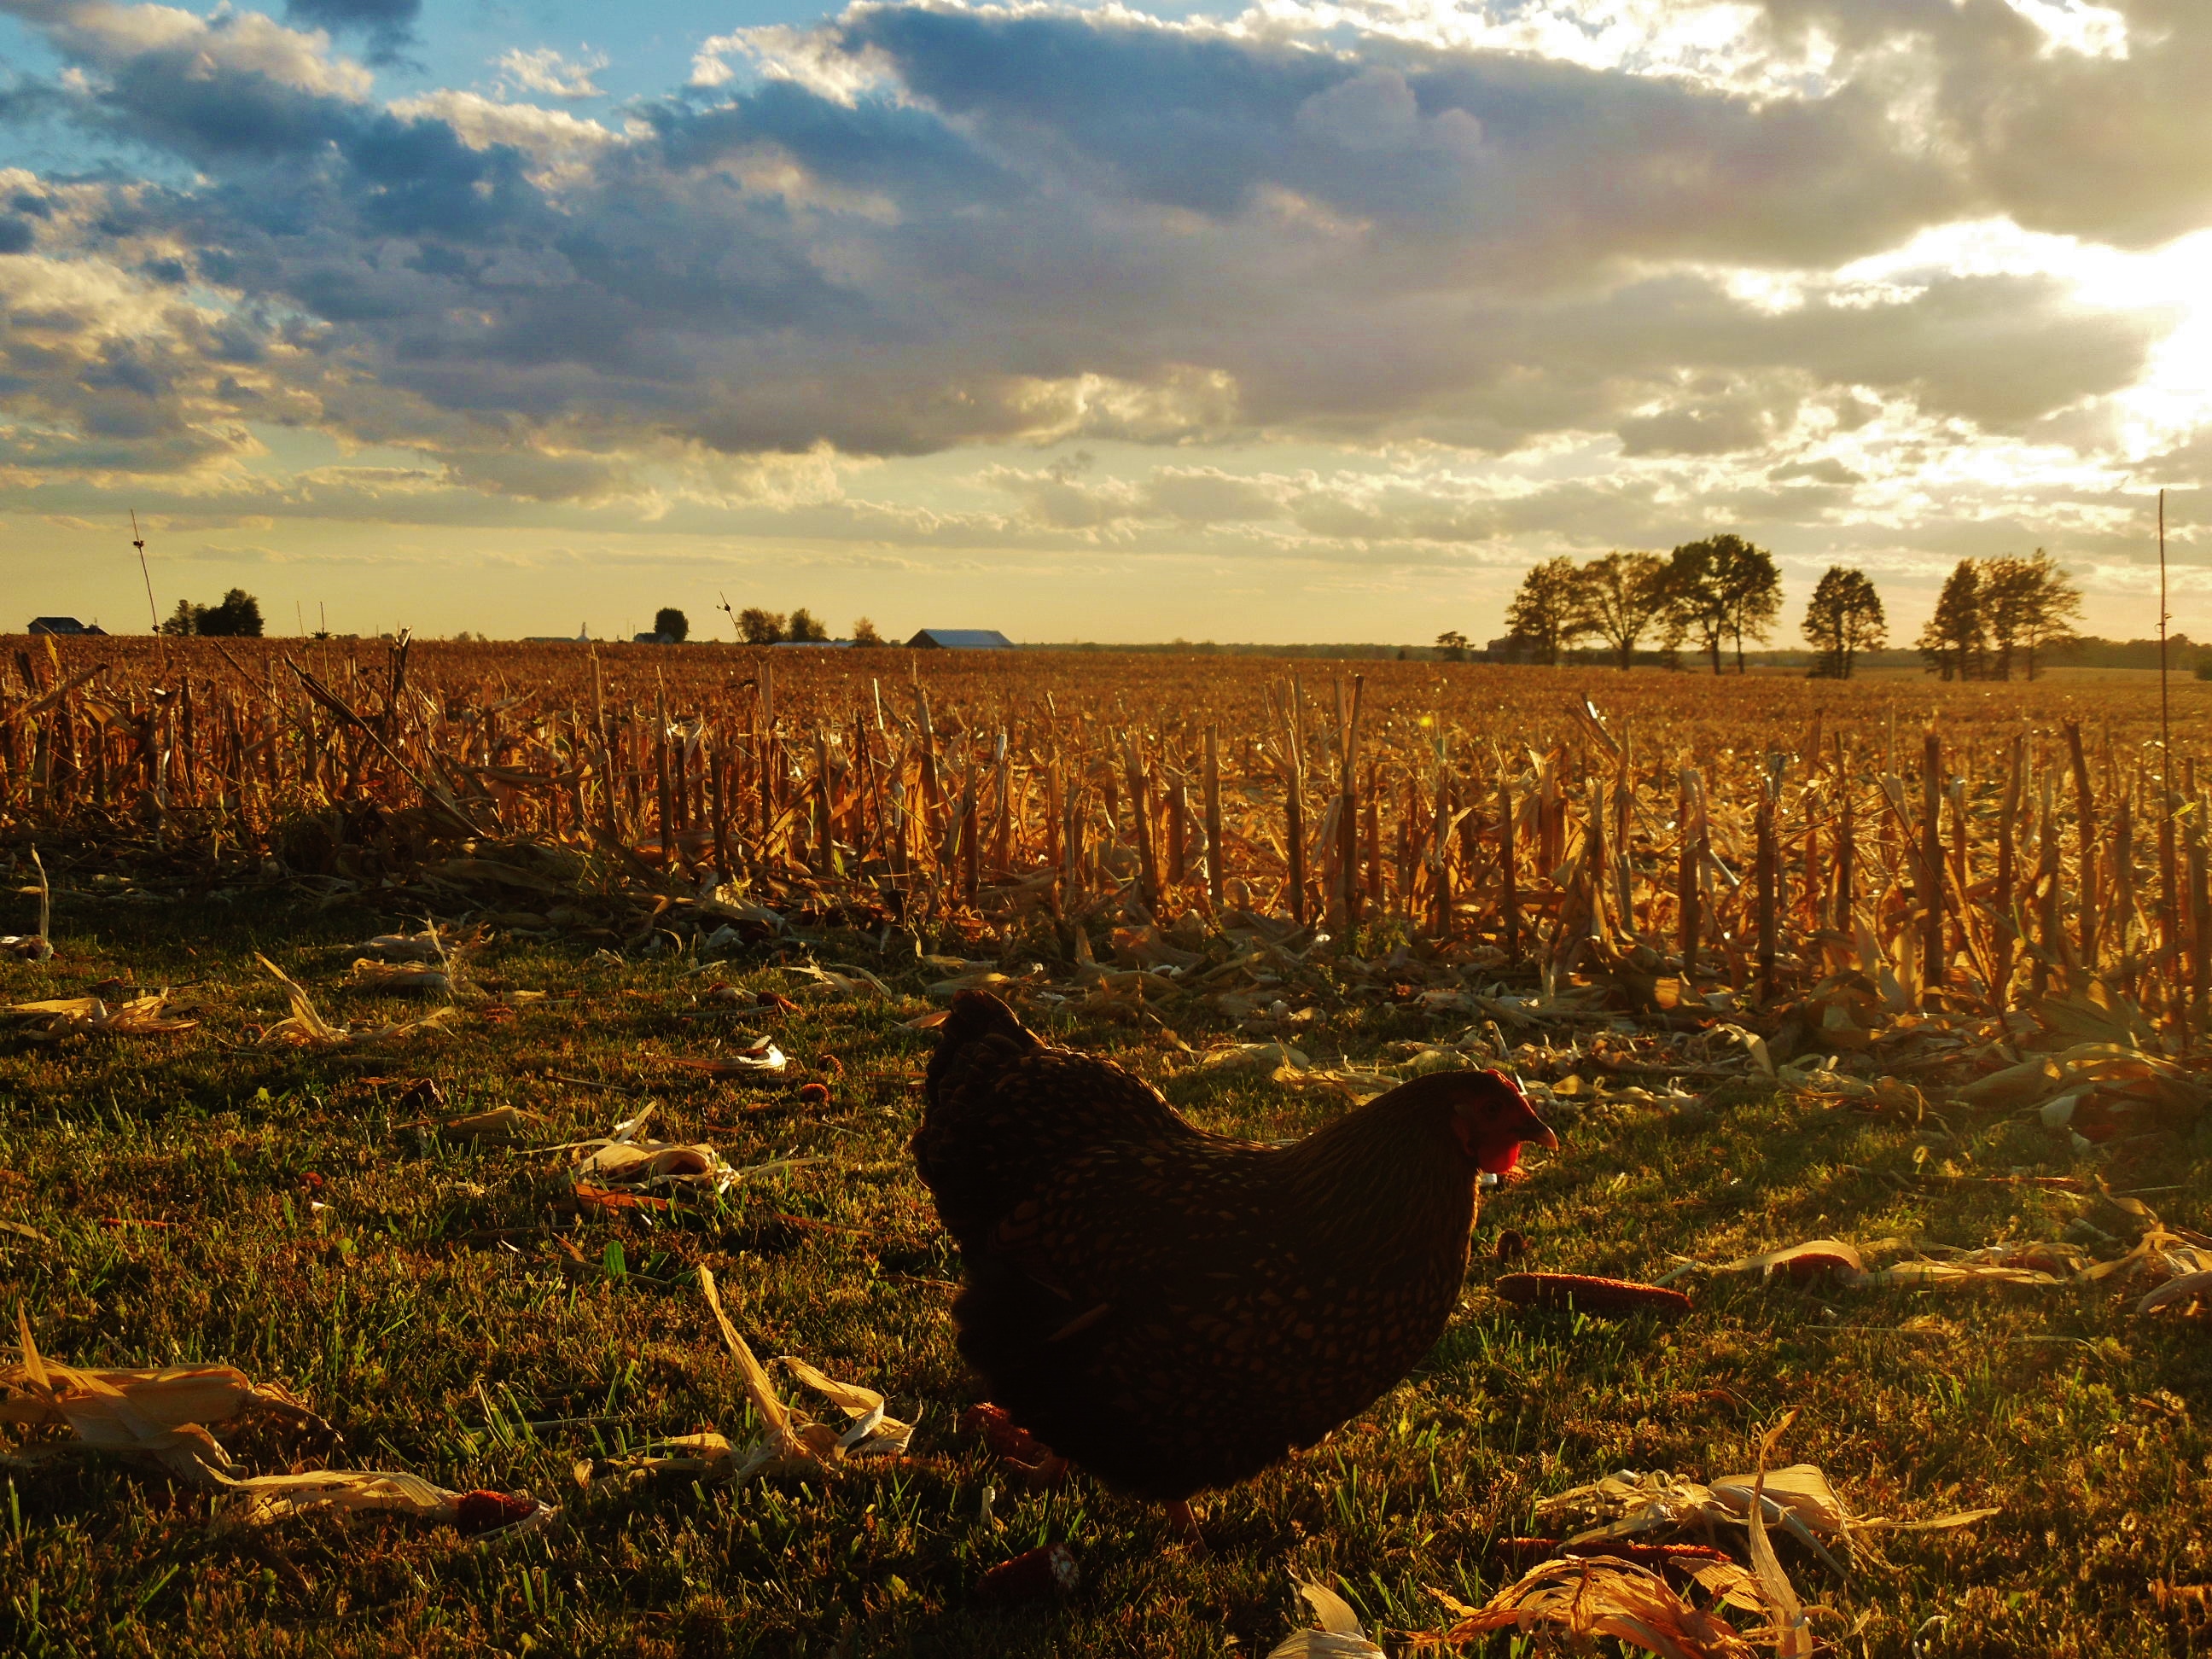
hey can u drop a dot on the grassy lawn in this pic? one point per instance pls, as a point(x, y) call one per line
point(449, 1311)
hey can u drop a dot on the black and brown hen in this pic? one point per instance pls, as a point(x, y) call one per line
point(1174, 1311)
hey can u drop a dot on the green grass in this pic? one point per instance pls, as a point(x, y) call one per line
point(431, 1316)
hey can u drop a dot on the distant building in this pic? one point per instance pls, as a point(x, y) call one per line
point(65, 625)
point(960, 638)
point(654, 639)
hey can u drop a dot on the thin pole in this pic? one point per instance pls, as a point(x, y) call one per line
point(2165, 735)
point(2168, 872)
point(2169, 890)
point(139, 542)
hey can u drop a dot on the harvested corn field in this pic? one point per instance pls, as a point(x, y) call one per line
point(483, 1073)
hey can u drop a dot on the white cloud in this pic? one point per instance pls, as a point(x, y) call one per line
point(543, 70)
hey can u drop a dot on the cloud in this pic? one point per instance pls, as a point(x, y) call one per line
point(386, 25)
point(541, 69)
point(1618, 242)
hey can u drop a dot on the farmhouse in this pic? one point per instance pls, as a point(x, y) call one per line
point(63, 625)
point(960, 638)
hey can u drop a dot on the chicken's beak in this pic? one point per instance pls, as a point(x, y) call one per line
point(1547, 1140)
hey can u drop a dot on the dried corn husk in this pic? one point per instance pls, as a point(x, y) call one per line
point(762, 1059)
point(2038, 1265)
point(1339, 1637)
point(162, 1414)
point(1791, 1631)
point(626, 1159)
point(263, 1500)
point(62, 1017)
point(2179, 1292)
point(1593, 1598)
point(1280, 1063)
point(35, 947)
point(306, 1028)
point(1797, 1497)
point(842, 979)
point(500, 1123)
point(429, 946)
point(1801, 1261)
point(412, 978)
point(795, 1444)
point(705, 1457)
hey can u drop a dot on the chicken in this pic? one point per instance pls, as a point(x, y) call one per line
point(1174, 1311)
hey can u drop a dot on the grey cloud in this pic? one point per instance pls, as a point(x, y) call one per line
point(1040, 225)
point(387, 26)
point(2109, 147)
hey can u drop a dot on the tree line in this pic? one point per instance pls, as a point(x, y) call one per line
point(236, 616)
point(1995, 613)
point(757, 626)
point(1716, 593)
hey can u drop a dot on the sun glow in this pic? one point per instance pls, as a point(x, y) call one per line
point(2173, 397)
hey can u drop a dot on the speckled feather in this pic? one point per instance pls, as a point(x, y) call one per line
point(1170, 1309)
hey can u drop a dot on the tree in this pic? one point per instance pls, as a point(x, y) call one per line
point(1722, 588)
point(759, 626)
point(670, 624)
point(2030, 606)
point(804, 629)
point(864, 632)
point(1453, 644)
point(236, 616)
point(1956, 639)
point(1844, 619)
point(1695, 604)
point(1751, 587)
point(1624, 596)
point(1545, 616)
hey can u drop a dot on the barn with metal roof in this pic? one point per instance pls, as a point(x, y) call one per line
point(961, 639)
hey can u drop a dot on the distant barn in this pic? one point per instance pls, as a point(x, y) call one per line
point(960, 638)
point(65, 625)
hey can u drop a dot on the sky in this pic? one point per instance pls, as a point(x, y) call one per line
point(1307, 320)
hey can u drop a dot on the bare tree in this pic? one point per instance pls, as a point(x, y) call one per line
point(1844, 619)
point(1624, 596)
point(1545, 615)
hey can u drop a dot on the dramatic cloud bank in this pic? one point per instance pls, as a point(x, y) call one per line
point(1371, 286)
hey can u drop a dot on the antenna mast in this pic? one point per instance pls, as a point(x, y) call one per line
point(139, 542)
